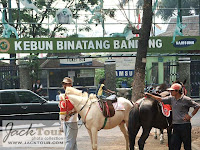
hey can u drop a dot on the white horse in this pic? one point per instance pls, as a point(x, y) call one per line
point(93, 118)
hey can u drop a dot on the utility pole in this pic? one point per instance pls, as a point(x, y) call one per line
point(199, 17)
point(12, 62)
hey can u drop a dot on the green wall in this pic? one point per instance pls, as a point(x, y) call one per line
point(160, 61)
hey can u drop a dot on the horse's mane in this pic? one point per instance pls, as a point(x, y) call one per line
point(161, 91)
point(162, 87)
point(181, 83)
point(73, 91)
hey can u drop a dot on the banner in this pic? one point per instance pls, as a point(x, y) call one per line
point(95, 45)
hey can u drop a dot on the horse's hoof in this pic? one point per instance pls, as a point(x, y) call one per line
point(136, 148)
point(155, 137)
point(161, 142)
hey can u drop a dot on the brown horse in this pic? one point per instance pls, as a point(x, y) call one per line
point(146, 113)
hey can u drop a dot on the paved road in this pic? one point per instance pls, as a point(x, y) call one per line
point(107, 139)
point(110, 139)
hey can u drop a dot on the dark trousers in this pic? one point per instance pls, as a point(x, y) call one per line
point(181, 134)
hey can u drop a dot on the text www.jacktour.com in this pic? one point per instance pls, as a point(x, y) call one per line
point(34, 142)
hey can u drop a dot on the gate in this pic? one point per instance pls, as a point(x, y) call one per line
point(9, 77)
point(171, 74)
point(170, 71)
point(195, 78)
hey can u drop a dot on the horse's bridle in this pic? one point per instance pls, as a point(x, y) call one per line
point(87, 110)
point(73, 113)
point(83, 105)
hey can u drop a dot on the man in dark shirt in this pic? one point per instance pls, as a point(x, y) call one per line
point(37, 87)
point(180, 117)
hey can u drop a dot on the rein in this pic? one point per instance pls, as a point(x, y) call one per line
point(87, 110)
point(83, 105)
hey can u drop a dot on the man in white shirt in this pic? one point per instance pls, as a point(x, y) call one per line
point(70, 125)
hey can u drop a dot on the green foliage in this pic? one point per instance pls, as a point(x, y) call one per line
point(30, 24)
point(120, 80)
point(99, 73)
point(187, 6)
point(33, 65)
point(168, 7)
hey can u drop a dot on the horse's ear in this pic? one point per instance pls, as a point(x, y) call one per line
point(92, 96)
point(184, 81)
point(85, 94)
point(67, 90)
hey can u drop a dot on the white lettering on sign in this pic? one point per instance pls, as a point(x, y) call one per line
point(125, 44)
point(124, 73)
point(83, 44)
point(26, 45)
point(59, 45)
point(33, 45)
point(185, 42)
point(116, 44)
point(99, 44)
point(79, 45)
point(91, 45)
point(18, 45)
point(106, 44)
point(155, 43)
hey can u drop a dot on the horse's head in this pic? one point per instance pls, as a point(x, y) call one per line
point(76, 96)
point(77, 101)
point(73, 91)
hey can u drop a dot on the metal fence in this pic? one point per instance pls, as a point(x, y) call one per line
point(171, 74)
point(9, 77)
point(195, 78)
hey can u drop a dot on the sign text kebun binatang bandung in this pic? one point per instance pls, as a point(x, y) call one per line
point(88, 45)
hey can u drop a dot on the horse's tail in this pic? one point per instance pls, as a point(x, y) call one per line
point(133, 125)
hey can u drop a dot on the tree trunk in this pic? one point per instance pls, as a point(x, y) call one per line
point(139, 75)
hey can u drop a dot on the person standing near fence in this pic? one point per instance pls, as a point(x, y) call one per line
point(37, 87)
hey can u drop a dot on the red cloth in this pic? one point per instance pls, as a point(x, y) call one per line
point(65, 105)
point(184, 90)
point(166, 108)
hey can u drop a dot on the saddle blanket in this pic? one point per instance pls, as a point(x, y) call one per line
point(117, 106)
point(166, 108)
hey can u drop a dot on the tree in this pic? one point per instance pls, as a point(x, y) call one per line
point(167, 7)
point(29, 23)
point(139, 75)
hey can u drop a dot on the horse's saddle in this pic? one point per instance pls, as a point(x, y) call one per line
point(107, 106)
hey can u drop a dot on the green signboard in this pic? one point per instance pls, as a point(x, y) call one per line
point(93, 45)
